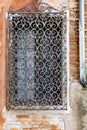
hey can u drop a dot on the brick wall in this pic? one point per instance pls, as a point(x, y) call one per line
point(74, 39)
point(40, 120)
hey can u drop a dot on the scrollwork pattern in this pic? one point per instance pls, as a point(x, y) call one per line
point(37, 61)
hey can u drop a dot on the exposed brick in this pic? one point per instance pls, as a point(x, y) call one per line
point(26, 129)
point(14, 129)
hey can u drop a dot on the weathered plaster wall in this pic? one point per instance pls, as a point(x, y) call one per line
point(76, 118)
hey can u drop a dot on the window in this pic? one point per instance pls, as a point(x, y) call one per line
point(37, 61)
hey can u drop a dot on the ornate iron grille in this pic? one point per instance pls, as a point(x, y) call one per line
point(37, 60)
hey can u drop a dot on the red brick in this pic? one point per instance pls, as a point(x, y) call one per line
point(26, 129)
point(22, 116)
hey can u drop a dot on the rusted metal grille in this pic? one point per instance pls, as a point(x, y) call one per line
point(37, 61)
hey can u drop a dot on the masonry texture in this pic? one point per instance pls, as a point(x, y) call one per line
point(76, 118)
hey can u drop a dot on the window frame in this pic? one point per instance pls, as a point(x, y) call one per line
point(67, 42)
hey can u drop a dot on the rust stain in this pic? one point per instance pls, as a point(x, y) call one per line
point(2, 120)
point(55, 127)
